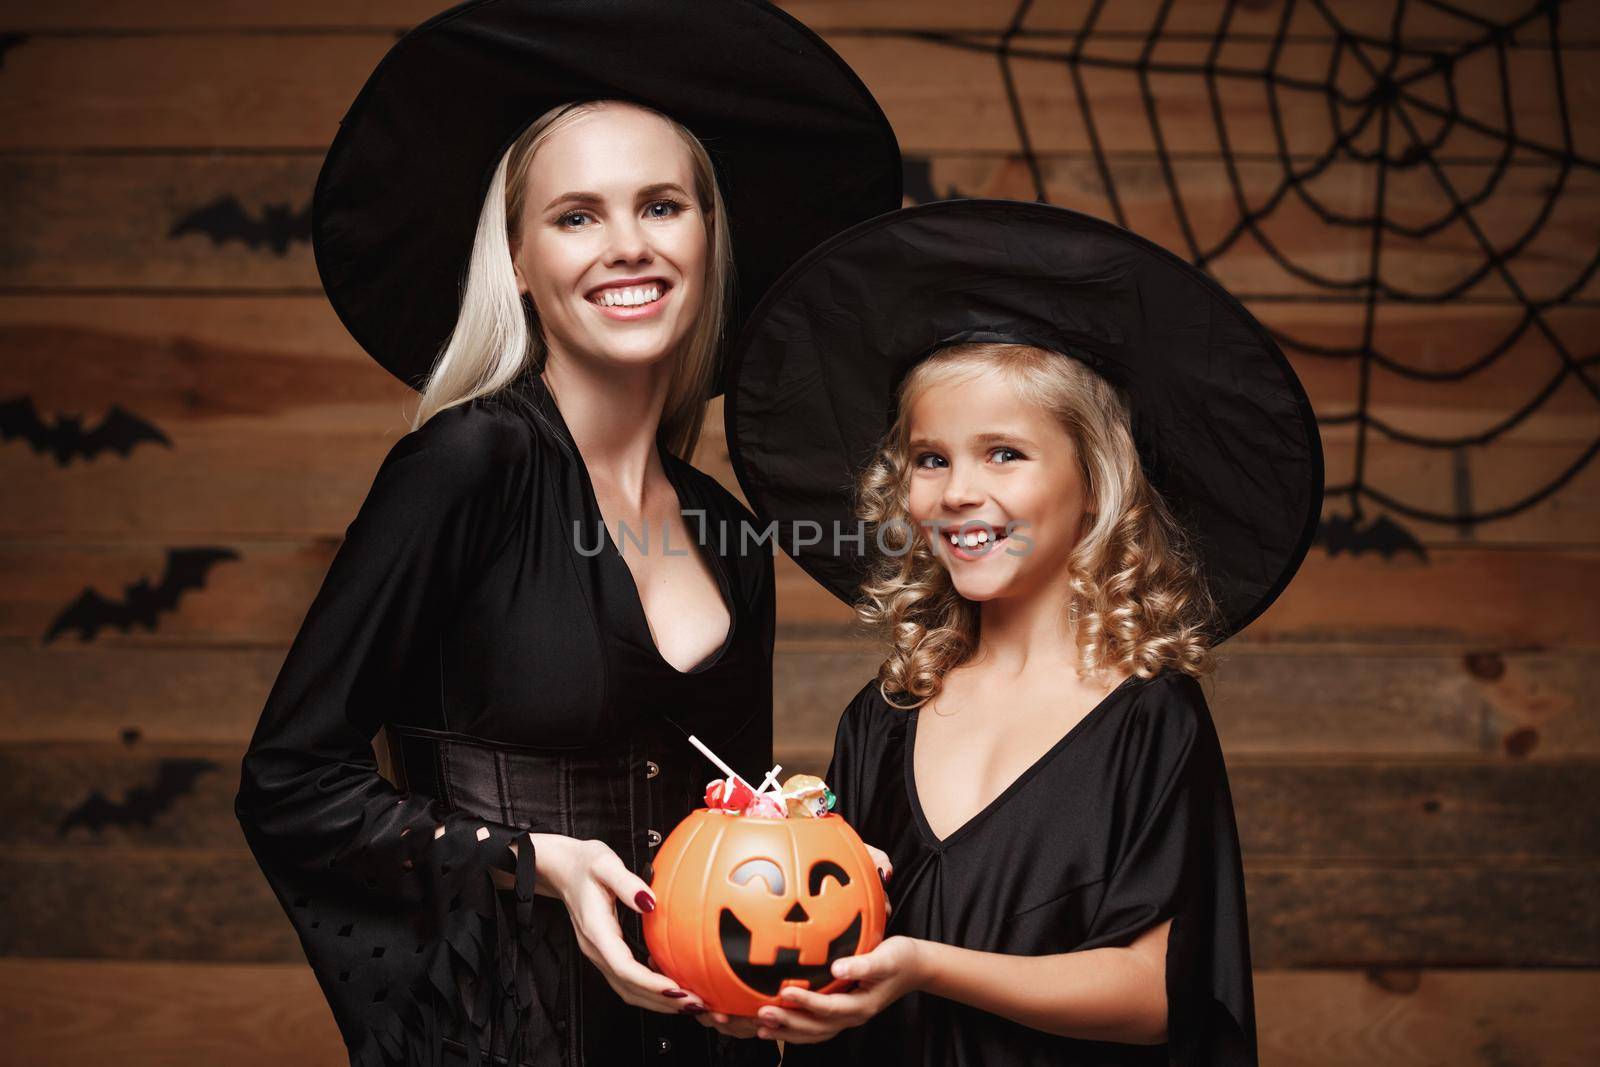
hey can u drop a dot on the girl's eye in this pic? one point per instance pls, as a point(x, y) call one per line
point(1008, 451)
point(926, 456)
point(672, 207)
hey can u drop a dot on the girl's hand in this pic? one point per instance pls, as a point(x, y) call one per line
point(589, 879)
point(882, 977)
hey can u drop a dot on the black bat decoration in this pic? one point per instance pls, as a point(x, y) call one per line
point(143, 803)
point(225, 219)
point(143, 603)
point(917, 181)
point(1344, 533)
point(8, 41)
point(118, 432)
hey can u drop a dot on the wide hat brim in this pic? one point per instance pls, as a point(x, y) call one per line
point(1223, 426)
point(801, 148)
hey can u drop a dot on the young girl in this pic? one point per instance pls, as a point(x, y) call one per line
point(1036, 755)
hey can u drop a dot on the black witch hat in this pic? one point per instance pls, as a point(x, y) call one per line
point(801, 148)
point(1223, 427)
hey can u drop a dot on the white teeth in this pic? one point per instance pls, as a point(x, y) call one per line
point(972, 539)
point(632, 296)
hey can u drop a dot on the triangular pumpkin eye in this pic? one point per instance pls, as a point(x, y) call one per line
point(770, 874)
point(826, 869)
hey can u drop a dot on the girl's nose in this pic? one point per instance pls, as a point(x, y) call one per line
point(960, 489)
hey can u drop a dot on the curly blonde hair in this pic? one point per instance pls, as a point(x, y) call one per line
point(1138, 602)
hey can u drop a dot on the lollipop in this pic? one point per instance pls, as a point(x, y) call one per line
point(729, 794)
point(807, 796)
point(802, 796)
point(766, 806)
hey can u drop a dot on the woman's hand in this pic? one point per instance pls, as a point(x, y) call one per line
point(732, 1025)
point(881, 859)
point(882, 977)
point(589, 879)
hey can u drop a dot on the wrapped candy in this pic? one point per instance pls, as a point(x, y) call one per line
point(732, 795)
point(766, 806)
point(807, 796)
point(802, 796)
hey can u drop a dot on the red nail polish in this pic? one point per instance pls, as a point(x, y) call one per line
point(676, 994)
point(645, 901)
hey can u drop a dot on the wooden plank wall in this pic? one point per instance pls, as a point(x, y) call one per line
point(1412, 745)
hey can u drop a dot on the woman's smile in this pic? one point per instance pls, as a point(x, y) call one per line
point(630, 298)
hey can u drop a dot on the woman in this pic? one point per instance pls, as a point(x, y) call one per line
point(534, 680)
point(1097, 465)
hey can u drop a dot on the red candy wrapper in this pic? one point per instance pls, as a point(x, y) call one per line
point(728, 794)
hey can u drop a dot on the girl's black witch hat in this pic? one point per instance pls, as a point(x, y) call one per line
point(1223, 426)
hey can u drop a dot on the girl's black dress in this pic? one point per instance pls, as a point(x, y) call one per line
point(1124, 822)
point(479, 613)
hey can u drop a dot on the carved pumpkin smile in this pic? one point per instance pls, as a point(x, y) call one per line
point(768, 978)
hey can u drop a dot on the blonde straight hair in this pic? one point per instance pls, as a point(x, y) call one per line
point(497, 339)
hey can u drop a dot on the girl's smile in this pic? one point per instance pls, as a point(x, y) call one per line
point(973, 541)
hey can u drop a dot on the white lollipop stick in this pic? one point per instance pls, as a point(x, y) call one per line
point(712, 756)
point(772, 780)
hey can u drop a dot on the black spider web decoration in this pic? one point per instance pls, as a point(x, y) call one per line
point(1392, 95)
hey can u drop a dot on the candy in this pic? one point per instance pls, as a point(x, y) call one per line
point(766, 806)
point(729, 794)
point(807, 796)
point(802, 796)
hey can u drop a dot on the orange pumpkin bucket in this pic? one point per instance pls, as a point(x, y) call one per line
point(748, 905)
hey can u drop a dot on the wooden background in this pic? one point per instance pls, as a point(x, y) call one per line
point(1411, 743)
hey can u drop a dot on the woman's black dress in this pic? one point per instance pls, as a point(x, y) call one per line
point(479, 613)
point(1124, 822)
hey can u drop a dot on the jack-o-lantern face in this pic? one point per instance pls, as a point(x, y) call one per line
point(738, 942)
point(747, 905)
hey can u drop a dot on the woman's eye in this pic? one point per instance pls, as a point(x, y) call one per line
point(670, 208)
point(566, 221)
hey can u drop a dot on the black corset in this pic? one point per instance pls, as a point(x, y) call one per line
point(630, 797)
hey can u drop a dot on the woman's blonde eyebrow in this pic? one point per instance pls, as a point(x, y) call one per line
point(596, 198)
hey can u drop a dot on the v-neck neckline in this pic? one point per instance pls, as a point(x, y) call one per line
point(547, 402)
point(933, 840)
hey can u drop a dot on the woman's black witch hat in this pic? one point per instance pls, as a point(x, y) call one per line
point(801, 148)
